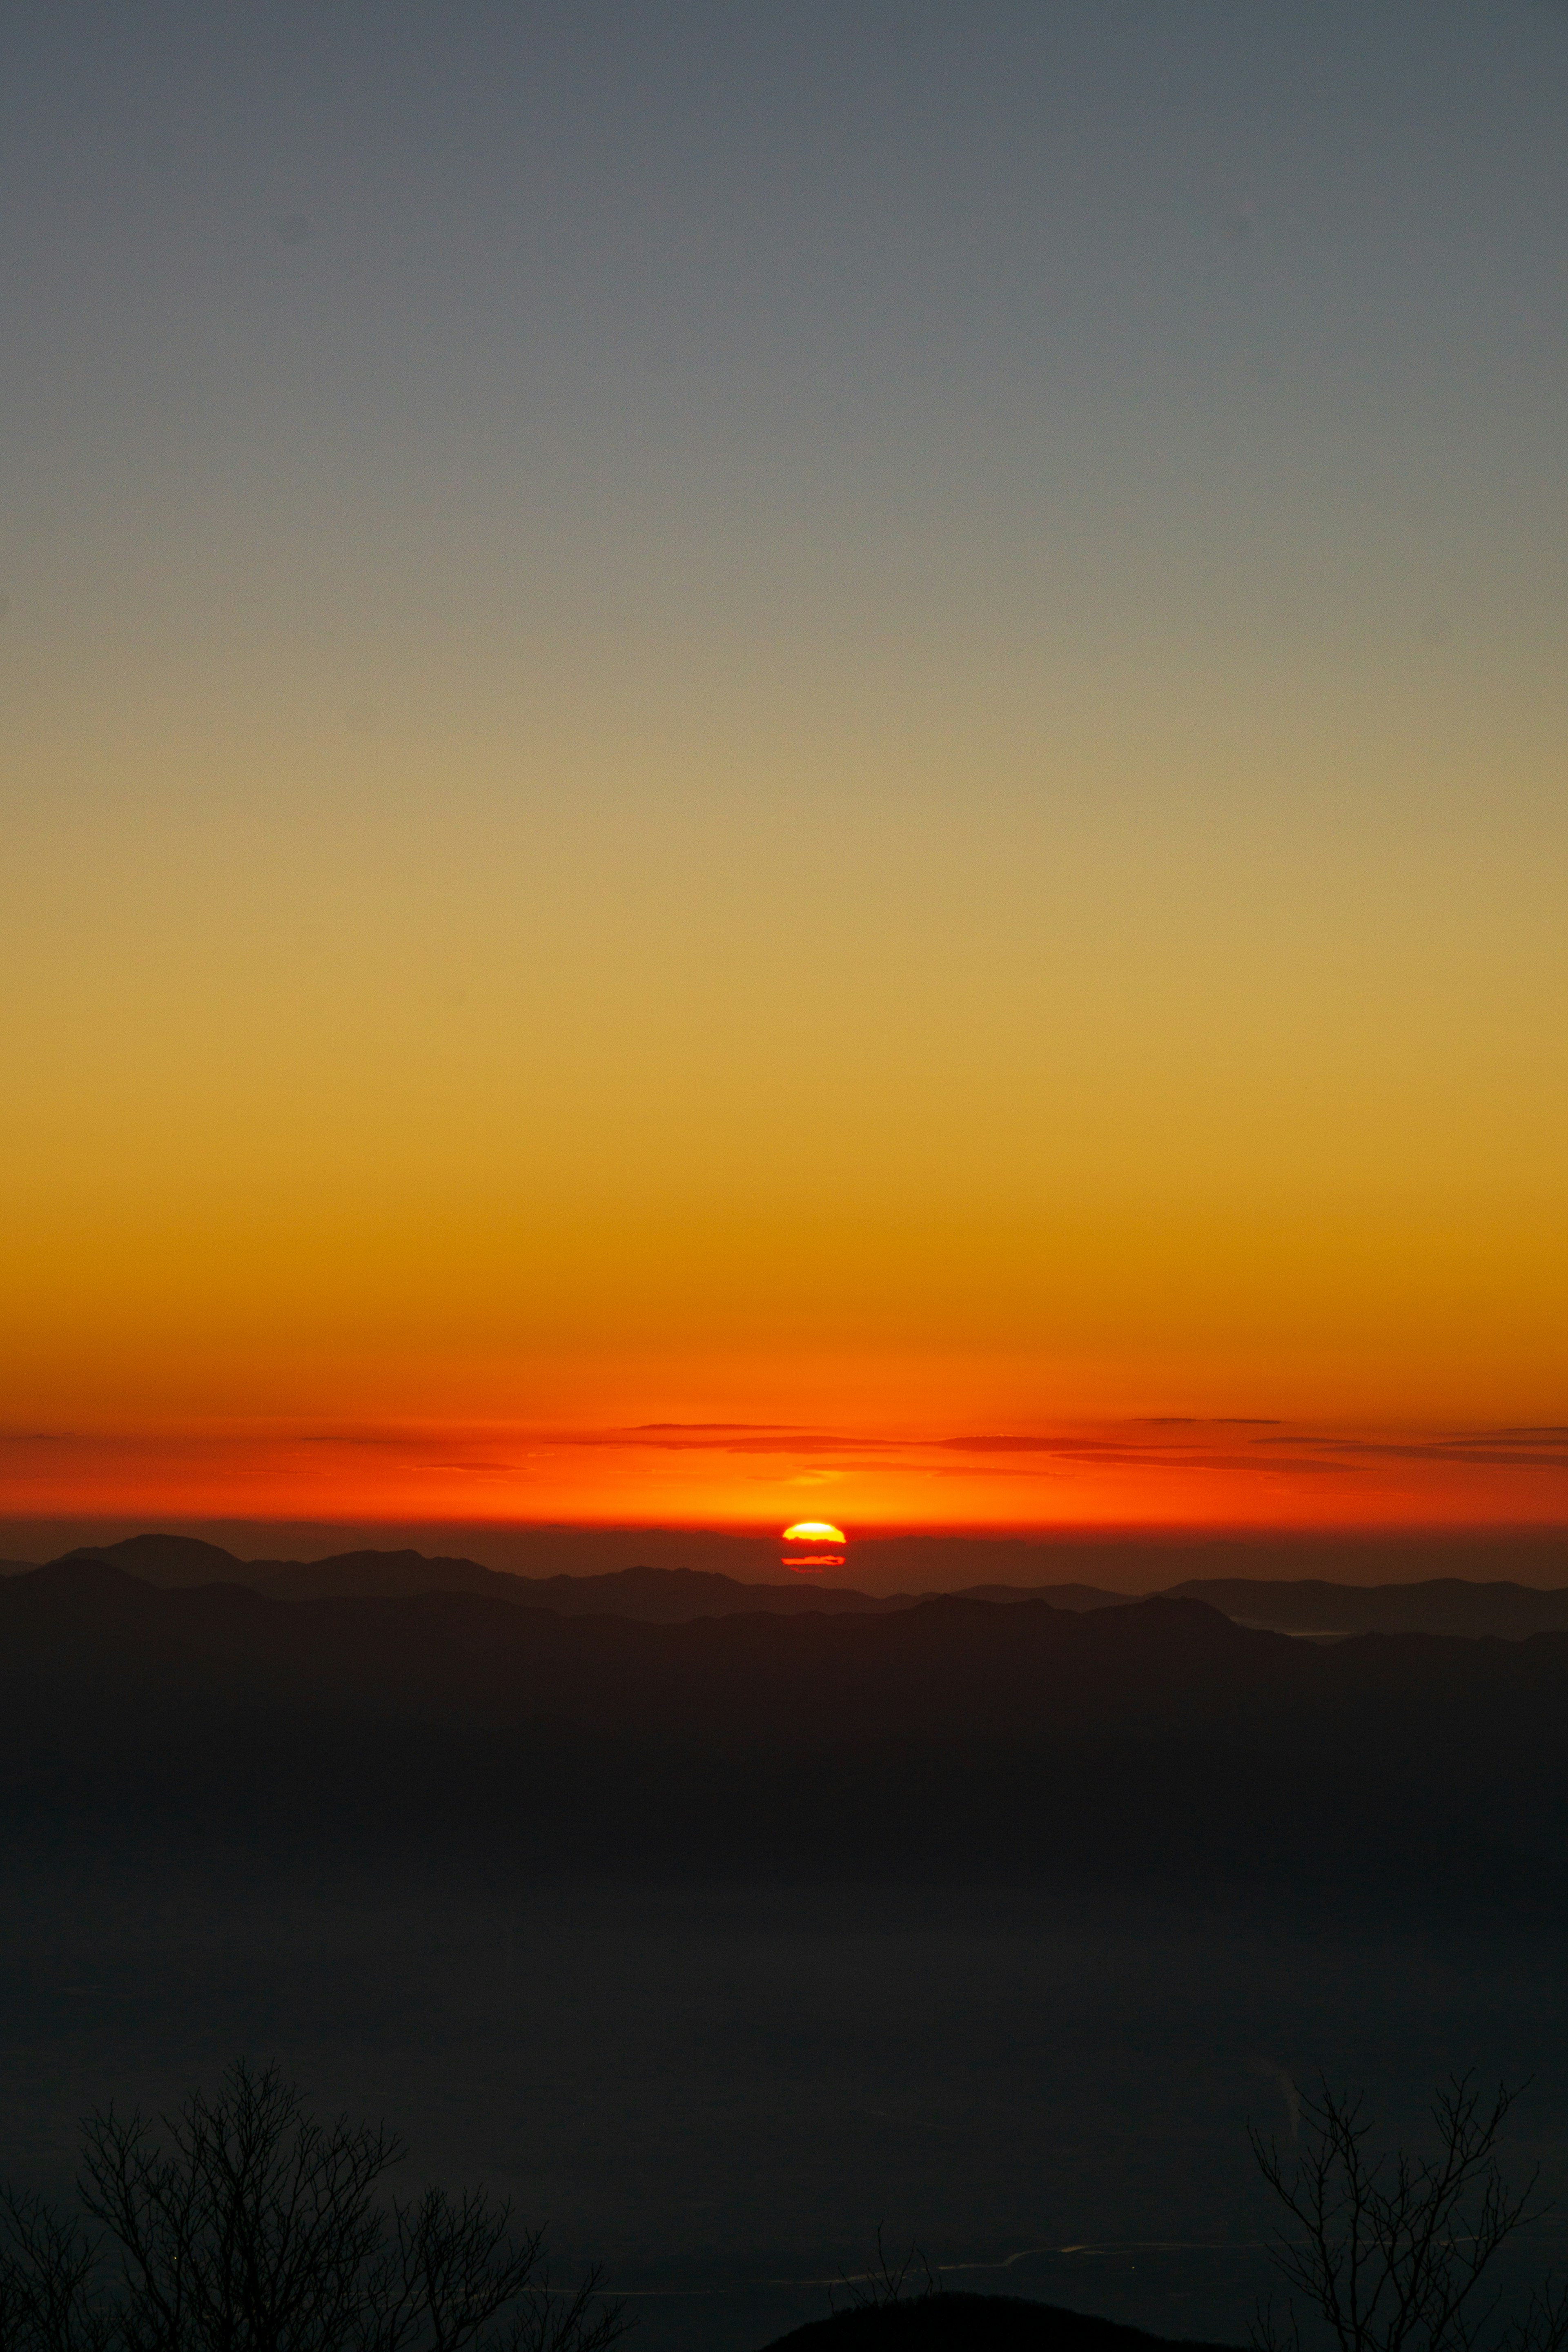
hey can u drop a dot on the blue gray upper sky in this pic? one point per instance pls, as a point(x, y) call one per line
point(1138, 314)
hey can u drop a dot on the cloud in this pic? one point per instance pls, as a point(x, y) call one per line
point(1135, 1453)
point(732, 1437)
point(1495, 1449)
point(1216, 1421)
point(1250, 1444)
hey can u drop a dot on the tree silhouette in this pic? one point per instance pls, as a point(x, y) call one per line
point(1395, 2252)
point(886, 2281)
point(254, 2227)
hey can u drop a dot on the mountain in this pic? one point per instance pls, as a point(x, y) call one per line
point(1118, 1564)
point(175, 1560)
point(1508, 1613)
point(671, 1595)
point(951, 1738)
point(1156, 1561)
point(658, 1595)
point(970, 2323)
point(1060, 1596)
point(653, 1595)
point(382, 1575)
point(943, 1667)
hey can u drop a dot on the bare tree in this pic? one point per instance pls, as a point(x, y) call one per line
point(454, 2267)
point(1395, 2252)
point(254, 2227)
point(887, 2282)
point(46, 2271)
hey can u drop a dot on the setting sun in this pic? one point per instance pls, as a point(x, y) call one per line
point(814, 1531)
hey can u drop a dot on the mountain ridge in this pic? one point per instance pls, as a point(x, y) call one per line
point(642, 1590)
point(1315, 1607)
point(956, 1738)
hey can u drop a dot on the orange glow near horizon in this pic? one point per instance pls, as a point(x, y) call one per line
point(1113, 1474)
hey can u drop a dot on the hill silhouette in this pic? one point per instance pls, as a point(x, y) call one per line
point(969, 2322)
point(1447, 1604)
point(1163, 1561)
point(953, 1736)
point(652, 1594)
point(664, 1594)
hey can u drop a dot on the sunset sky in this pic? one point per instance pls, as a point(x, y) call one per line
point(785, 761)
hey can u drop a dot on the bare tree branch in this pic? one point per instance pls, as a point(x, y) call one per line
point(1395, 2252)
point(251, 2226)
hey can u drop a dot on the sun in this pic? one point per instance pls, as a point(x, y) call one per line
point(815, 1532)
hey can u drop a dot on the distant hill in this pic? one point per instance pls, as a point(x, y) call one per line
point(170, 1561)
point(380, 1575)
point(1448, 1604)
point(1060, 1596)
point(888, 1565)
point(672, 1595)
point(655, 1595)
point(970, 2323)
point(1157, 1560)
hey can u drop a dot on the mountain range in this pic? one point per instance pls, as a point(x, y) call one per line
point(1317, 1607)
point(953, 1736)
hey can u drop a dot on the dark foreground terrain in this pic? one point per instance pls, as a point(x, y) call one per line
point(719, 1945)
point(722, 2090)
point(955, 2322)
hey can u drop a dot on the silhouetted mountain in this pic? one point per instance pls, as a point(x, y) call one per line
point(673, 1595)
point(971, 2323)
point(658, 1595)
point(655, 1595)
point(1155, 1560)
point(1509, 1613)
point(1155, 1742)
point(1158, 1559)
point(379, 1575)
point(1059, 1596)
point(167, 1560)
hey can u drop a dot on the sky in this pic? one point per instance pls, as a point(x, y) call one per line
point(790, 761)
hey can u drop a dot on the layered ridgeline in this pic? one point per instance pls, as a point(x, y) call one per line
point(953, 1736)
point(640, 1590)
point(1326, 1608)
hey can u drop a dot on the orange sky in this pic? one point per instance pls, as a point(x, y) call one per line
point(906, 801)
point(1188, 1474)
